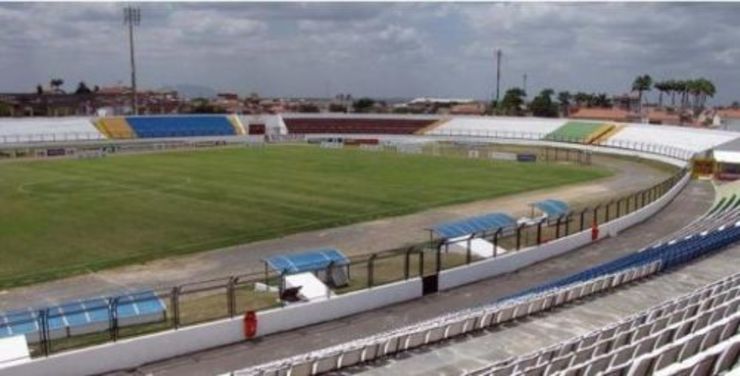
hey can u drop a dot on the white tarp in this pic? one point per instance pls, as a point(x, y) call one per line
point(311, 287)
point(13, 351)
point(479, 247)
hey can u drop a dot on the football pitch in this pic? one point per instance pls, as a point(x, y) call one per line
point(63, 217)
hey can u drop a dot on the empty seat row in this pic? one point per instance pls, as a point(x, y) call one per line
point(355, 125)
point(713, 361)
point(669, 254)
point(634, 336)
point(693, 139)
point(39, 129)
point(181, 126)
point(442, 328)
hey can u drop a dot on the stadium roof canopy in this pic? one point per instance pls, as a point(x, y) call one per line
point(553, 208)
point(488, 222)
point(307, 260)
point(729, 152)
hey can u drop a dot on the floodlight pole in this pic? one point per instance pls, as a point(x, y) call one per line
point(132, 17)
point(498, 74)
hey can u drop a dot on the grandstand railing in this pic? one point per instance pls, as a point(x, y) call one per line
point(658, 149)
point(652, 148)
point(50, 137)
point(592, 281)
point(203, 301)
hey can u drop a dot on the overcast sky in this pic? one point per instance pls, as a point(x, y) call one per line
point(381, 49)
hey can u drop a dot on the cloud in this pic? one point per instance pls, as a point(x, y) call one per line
point(379, 49)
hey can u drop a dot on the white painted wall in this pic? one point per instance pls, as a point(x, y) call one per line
point(140, 350)
point(296, 316)
point(516, 260)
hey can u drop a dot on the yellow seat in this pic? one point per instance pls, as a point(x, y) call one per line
point(115, 127)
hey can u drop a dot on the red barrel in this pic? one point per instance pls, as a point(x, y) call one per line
point(594, 232)
point(250, 324)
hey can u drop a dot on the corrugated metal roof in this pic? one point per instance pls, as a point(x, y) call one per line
point(307, 260)
point(472, 225)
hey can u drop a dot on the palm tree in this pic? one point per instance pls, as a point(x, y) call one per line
point(564, 98)
point(672, 90)
point(707, 90)
point(662, 87)
point(682, 87)
point(583, 99)
point(694, 89)
point(641, 84)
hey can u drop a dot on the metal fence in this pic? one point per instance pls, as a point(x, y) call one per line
point(203, 301)
point(50, 137)
point(646, 147)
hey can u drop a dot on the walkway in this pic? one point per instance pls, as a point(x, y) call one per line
point(691, 203)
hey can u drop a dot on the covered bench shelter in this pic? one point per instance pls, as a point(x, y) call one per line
point(317, 260)
point(553, 211)
point(551, 208)
point(469, 228)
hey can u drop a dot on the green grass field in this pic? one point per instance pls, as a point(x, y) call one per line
point(69, 216)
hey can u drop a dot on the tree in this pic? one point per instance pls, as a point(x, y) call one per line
point(5, 109)
point(39, 89)
point(203, 106)
point(543, 106)
point(308, 107)
point(363, 104)
point(642, 84)
point(707, 90)
point(513, 102)
point(564, 98)
point(56, 83)
point(662, 87)
point(583, 99)
point(82, 88)
point(601, 100)
point(337, 107)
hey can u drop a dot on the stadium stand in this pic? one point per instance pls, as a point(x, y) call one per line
point(498, 127)
point(47, 129)
point(576, 131)
point(314, 125)
point(181, 126)
point(705, 318)
point(239, 128)
point(694, 331)
point(115, 127)
point(608, 134)
point(432, 126)
point(442, 328)
point(84, 316)
point(696, 140)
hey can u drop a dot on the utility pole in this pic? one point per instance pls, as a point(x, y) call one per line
point(524, 84)
point(498, 74)
point(132, 17)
